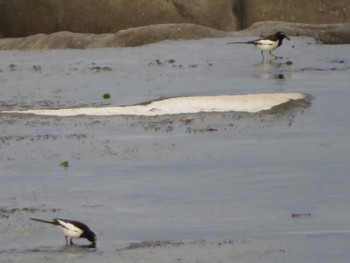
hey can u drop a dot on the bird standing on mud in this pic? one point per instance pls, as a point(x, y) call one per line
point(72, 229)
point(266, 44)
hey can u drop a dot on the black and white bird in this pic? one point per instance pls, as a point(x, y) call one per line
point(72, 229)
point(266, 44)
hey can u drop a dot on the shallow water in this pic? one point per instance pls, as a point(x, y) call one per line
point(275, 184)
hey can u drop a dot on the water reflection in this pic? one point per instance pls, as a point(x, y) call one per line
point(270, 64)
point(271, 76)
point(273, 69)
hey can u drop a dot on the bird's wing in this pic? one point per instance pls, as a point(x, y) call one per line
point(263, 42)
point(69, 227)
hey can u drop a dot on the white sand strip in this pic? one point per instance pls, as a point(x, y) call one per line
point(240, 103)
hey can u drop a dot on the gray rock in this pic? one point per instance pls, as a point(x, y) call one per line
point(20, 18)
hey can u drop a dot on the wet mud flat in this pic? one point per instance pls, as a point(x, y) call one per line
point(270, 186)
point(168, 251)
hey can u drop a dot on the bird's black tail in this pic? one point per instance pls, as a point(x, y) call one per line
point(238, 43)
point(45, 221)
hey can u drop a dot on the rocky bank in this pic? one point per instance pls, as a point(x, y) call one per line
point(328, 34)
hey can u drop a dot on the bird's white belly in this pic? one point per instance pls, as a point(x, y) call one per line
point(266, 45)
point(72, 233)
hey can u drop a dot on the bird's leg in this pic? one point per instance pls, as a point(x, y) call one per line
point(273, 55)
point(262, 54)
point(66, 240)
point(71, 241)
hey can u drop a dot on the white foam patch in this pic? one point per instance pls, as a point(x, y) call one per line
point(240, 103)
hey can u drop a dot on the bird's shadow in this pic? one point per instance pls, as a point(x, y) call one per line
point(62, 249)
point(79, 247)
point(269, 64)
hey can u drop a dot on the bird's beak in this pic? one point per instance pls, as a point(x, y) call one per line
point(287, 38)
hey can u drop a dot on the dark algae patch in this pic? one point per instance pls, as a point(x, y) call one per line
point(65, 164)
point(6, 212)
